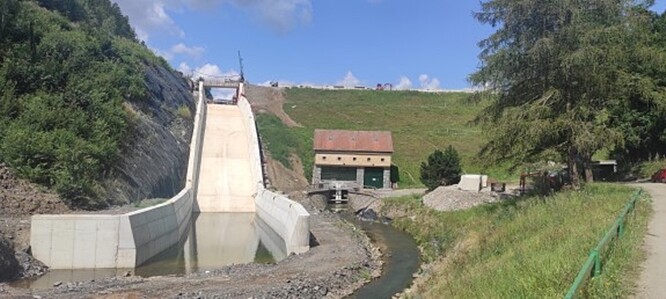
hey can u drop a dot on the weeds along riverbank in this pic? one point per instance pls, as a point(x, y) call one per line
point(529, 247)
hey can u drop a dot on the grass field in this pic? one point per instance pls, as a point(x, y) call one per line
point(526, 248)
point(420, 123)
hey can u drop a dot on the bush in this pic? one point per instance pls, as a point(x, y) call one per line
point(442, 168)
point(184, 112)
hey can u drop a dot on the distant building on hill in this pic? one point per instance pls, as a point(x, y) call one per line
point(360, 158)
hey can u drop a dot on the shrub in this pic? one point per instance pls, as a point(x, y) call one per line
point(442, 168)
point(184, 112)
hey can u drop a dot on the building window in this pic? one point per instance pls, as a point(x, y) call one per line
point(323, 158)
point(382, 159)
point(368, 159)
point(354, 158)
point(339, 158)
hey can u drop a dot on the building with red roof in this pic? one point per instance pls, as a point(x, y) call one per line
point(359, 157)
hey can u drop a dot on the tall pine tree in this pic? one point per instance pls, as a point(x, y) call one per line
point(554, 71)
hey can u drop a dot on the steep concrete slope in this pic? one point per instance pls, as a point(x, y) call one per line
point(225, 178)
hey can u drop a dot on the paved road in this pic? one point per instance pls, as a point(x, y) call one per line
point(652, 283)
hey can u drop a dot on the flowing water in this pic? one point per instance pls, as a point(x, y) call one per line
point(400, 256)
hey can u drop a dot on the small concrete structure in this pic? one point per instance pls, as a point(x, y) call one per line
point(470, 182)
point(359, 159)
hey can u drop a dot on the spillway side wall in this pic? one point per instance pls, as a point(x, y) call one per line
point(286, 217)
point(119, 241)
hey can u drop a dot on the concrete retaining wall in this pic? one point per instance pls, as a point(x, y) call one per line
point(286, 217)
point(119, 241)
point(253, 138)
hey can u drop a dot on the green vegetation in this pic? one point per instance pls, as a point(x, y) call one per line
point(526, 248)
point(282, 142)
point(570, 78)
point(184, 112)
point(442, 168)
point(419, 122)
point(648, 168)
point(66, 68)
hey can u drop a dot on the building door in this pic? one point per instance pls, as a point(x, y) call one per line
point(332, 173)
point(374, 177)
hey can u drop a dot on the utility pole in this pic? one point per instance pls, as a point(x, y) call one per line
point(240, 62)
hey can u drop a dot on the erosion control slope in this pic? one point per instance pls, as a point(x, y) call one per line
point(225, 178)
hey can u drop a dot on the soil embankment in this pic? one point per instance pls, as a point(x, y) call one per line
point(18, 200)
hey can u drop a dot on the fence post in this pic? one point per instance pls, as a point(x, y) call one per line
point(597, 262)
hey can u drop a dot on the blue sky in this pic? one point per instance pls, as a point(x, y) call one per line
point(430, 44)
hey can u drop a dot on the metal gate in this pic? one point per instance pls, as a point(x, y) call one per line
point(374, 177)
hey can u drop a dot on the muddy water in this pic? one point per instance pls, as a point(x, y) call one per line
point(400, 255)
point(214, 240)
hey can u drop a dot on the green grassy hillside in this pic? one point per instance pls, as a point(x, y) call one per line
point(420, 123)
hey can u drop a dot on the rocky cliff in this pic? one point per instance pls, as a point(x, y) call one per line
point(154, 158)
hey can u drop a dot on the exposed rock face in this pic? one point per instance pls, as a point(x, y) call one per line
point(154, 159)
point(9, 266)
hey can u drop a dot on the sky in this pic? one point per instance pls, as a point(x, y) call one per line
point(418, 44)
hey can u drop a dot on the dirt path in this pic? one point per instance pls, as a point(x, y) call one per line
point(651, 284)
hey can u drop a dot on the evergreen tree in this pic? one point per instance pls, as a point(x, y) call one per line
point(442, 168)
point(555, 71)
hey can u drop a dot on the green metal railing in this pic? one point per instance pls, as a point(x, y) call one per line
point(592, 266)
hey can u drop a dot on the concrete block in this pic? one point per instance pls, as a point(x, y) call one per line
point(125, 234)
point(40, 238)
point(126, 258)
point(62, 244)
point(484, 181)
point(106, 248)
point(470, 182)
point(287, 218)
point(85, 243)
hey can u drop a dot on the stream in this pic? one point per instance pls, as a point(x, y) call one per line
point(399, 253)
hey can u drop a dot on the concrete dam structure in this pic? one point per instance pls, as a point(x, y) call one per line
point(224, 174)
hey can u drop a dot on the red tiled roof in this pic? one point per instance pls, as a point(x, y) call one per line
point(353, 141)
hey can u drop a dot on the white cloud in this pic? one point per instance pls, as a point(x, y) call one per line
point(147, 16)
point(150, 16)
point(349, 80)
point(208, 71)
point(211, 72)
point(181, 48)
point(427, 83)
point(165, 54)
point(280, 15)
point(404, 83)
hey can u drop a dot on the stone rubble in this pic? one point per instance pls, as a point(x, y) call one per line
point(451, 198)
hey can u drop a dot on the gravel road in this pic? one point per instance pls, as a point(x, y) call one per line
point(651, 284)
